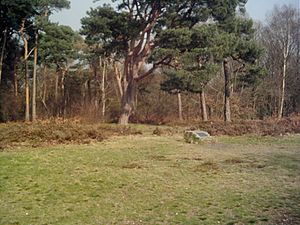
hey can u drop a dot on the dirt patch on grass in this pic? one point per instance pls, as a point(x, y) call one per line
point(132, 166)
point(161, 158)
point(51, 132)
point(234, 161)
point(246, 163)
point(192, 159)
point(286, 218)
point(208, 166)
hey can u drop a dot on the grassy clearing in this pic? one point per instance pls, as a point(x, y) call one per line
point(153, 180)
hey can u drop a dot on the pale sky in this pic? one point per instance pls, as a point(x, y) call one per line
point(257, 9)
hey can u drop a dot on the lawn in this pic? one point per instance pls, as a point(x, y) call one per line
point(147, 179)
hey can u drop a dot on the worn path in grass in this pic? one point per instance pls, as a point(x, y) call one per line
point(153, 180)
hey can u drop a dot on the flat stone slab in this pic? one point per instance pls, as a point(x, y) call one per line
point(196, 136)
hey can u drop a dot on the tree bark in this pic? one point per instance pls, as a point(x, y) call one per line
point(283, 84)
point(56, 107)
point(2, 52)
point(203, 106)
point(89, 91)
point(127, 104)
point(83, 94)
point(63, 104)
point(45, 88)
point(227, 113)
point(34, 79)
point(286, 53)
point(97, 89)
point(119, 77)
point(15, 79)
point(96, 100)
point(27, 95)
point(103, 93)
point(139, 49)
point(179, 106)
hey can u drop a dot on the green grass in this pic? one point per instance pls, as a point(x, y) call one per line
point(153, 180)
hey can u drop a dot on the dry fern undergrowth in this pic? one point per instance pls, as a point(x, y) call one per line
point(49, 132)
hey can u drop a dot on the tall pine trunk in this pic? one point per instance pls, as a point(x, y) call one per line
point(26, 55)
point(63, 102)
point(127, 104)
point(56, 107)
point(227, 77)
point(119, 78)
point(131, 69)
point(180, 116)
point(2, 52)
point(97, 94)
point(27, 96)
point(103, 93)
point(15, 80)
point(89, 92)
point(34, 78)
point(139, 50)
point(203, 106)
point(45, 88)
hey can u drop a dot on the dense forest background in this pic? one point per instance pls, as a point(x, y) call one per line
point(149, 62)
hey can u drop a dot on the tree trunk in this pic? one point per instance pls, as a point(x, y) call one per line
point(83, 94)
point(45, 89)
point(96, 100)
point(280, 113)
point(27, 97)
point(89, 91)
point(136, 98)
point(103, 96)
point(97, 88)
point(56, 107)
point(34, 78)
point(63, 103)
point(15, 80)
point(203, 106)
point(179, 106)
point(127, 102)
point(227, 114)
point(2, 52)
point(139, 50)
point(26, 55)
point(119, 78)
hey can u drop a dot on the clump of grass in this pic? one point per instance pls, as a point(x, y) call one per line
point(192, 159)
point(159, 158)
point(254, 164)
point(132, 166)
point(234, 160)
point(207, 166)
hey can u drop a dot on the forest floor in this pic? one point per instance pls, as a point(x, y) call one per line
point(152, 179)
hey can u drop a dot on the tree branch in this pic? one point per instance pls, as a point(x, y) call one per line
point(154, 67)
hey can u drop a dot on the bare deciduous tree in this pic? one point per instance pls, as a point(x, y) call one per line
point(280, 40)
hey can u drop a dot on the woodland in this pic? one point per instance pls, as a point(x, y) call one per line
point(93, 122)
point(152, 62)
